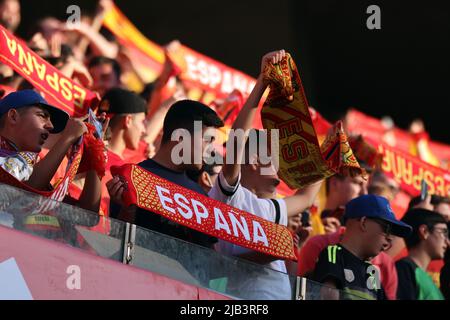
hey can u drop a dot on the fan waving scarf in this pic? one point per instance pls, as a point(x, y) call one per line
point(302, 160)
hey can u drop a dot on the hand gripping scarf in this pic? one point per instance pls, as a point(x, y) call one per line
point(302, 160)
point(89, 152)
point(195, 211)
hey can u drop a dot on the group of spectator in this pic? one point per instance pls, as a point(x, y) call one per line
point(362, 249)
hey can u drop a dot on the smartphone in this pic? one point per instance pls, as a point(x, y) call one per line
point(423, 190)
point(305, 219)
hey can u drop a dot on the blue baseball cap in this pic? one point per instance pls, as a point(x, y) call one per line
point(28, 98)
point(373, 206)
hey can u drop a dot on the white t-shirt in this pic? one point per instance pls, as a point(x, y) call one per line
point(262, 285)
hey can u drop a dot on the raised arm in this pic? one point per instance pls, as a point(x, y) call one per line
point(160, 84)
point(45, 169)
point(246, 117)
point(103, 7)
point(302, 199)
point(100, 45)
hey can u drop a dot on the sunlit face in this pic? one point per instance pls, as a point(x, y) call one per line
point(348, 188)
point(260, 171)
point(104, 78)
point(444, 210)
point(437, 241)
point(377, 237)
point(32, 129)
point(387, 189)
point(10, 14)
point(135, 131)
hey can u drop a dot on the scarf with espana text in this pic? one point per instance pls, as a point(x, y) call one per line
point(302, 160)
point(56, 88)
point(195, 211)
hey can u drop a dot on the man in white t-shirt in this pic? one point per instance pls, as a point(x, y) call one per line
point(244, 190)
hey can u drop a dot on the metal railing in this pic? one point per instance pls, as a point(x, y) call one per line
point(152, 251)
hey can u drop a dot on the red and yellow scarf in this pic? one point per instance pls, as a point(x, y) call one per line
point(188, 208)
point(302, 160)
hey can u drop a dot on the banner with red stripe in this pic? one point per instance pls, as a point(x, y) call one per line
point(193, 210)
point(57, 89)
point(409, 172)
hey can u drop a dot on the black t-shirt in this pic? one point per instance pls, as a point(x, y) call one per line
point(445, 280)
point(415, 283)
point(156, 222)
point(407, 287)
point(357, 279)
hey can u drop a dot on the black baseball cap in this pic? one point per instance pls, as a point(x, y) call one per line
point(121, 101)
point(29, 98)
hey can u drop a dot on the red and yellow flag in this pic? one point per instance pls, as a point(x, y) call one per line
point(434, 153)
point(204, 77)
point(57, 89)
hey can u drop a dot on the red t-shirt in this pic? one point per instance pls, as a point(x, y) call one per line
point(114, 160)
point(129, 156)
point(136, 156)
point(313, 247)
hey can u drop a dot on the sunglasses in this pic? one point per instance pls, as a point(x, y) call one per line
point(385, 226)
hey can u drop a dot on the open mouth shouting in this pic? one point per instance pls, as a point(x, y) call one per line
point(44, 137)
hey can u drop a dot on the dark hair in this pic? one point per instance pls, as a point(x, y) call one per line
point(4, 116)
point(25, 85)
point(147, 92)
point(435, 200)
point(183, 114)
point(447, 252)
point(100, 60)
point(418, 217)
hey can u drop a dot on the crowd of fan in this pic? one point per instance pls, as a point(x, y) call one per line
point(362, 248)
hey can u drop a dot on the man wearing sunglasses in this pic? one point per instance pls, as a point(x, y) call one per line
point(370, 225)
